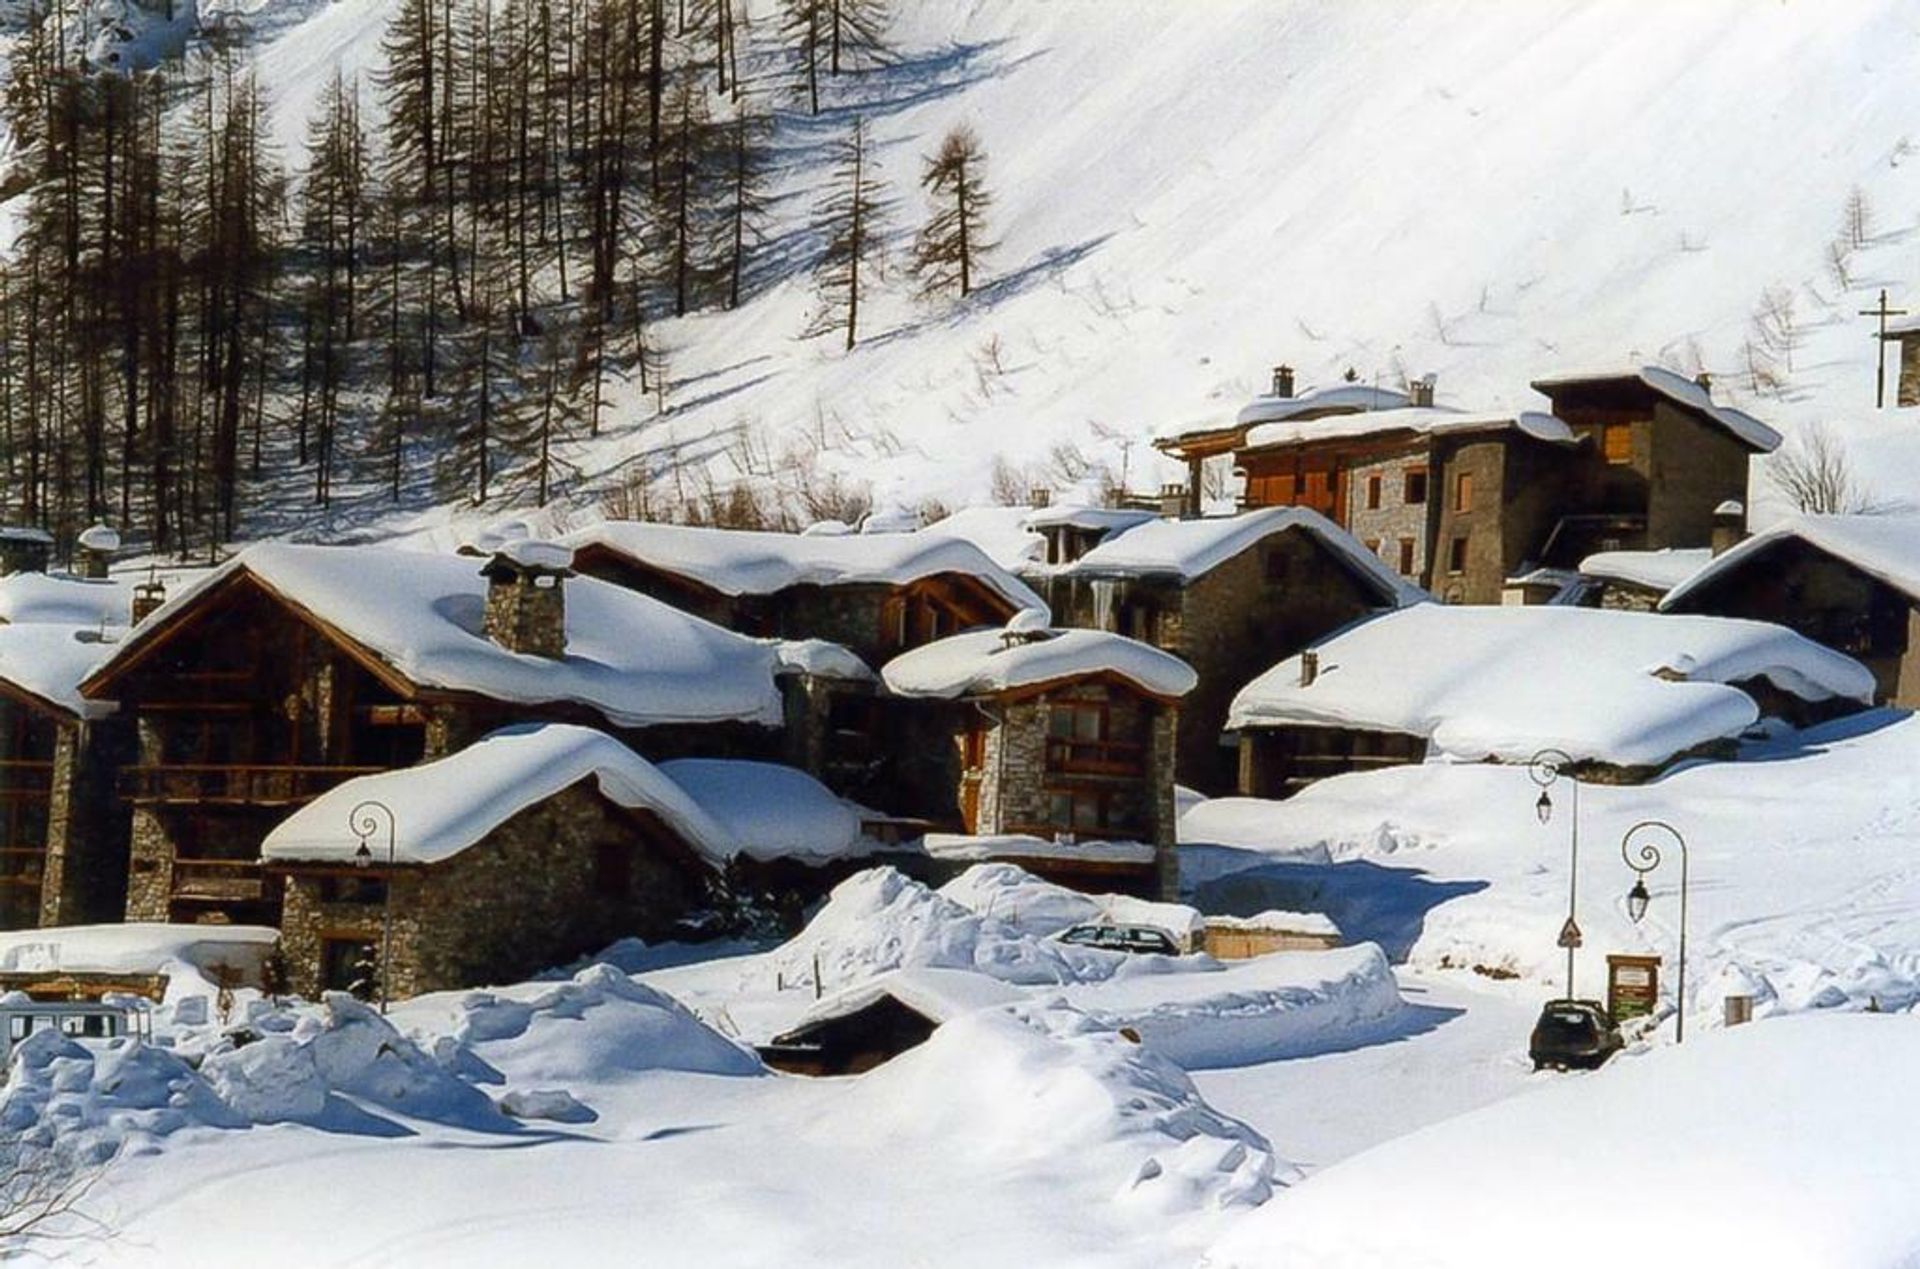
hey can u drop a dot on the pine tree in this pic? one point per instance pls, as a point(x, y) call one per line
point(852, 220)
point(954, 238)
point(856, 29)
point(746, 202)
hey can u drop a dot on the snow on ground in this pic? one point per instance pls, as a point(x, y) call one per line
point(1481, 681)
point(1793, 1143)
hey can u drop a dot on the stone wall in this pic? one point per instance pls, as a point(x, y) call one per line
point(1396, 518)
point(1908, 391)
point(1696, 466)
point(526, 609)
point(150, 867)
point(88, 826)
point(535, 893)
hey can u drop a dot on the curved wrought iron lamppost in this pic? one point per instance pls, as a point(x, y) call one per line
point(1546, 768)
point(1643, 856)
point(364, 820)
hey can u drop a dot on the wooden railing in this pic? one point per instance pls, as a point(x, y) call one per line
point(254, 785)
point(1096, 757)
point(25, 778)
point(219, 880)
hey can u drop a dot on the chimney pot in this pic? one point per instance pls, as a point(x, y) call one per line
point(1729, 526)
point(1309, 668)
point(1283, 381)
point(1420, 391)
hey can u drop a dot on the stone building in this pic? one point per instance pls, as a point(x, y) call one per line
point(1228, 595)
point(1850, 582)
point(1049, 744)
point(529, 848)
point(294, 669)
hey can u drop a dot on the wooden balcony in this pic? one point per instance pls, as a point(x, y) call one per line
point(1096, 757)
point(219, 880)
point(25, 779)
point(205, 784)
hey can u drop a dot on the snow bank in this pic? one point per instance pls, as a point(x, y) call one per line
point(636, 660)
point(769, 811)
point(1504, 682)
point(1884, 547)
point(1283, 1005)
point(1790, 1142)
point(138, 947)
point(441, 808)
point(62, 600)
point(1655, 570)
point(938, 995)
point(973, 847)
point(987, 661)
point(742, 562)
point(1033, 906)
point(91, 1101)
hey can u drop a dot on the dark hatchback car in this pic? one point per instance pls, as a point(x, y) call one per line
point(1121, 938)
point(1573, 1033)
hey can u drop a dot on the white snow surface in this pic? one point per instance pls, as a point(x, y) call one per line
point(99, 537)
point(745, 562)
point(1884, 547)
point(1000, 532)
point(1190, 548)
point(1656, 570)
point(1344, 397)
point(1420, 420)
point(443, 807)
point(982, 846)
point(1683, 391)
point(638, 661)
point(938, 995)
point(1505, 682)
point(1792, 1142)
point(770, 811)
point(137, 947)
point(50, 661)
point(983, 662)
point(62, 599)
point(1035, 906)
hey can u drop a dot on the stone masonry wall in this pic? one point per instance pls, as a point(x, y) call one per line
point(150, 867)
point(1395, 518)
point(1696, 467)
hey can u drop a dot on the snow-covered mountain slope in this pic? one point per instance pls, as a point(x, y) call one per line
point(1190, 193)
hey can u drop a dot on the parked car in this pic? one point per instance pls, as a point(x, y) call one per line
point(1120, 938)
point(1573, 1033)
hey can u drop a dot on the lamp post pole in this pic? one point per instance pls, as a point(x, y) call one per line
point(366, 819)
point(1643, 856)
point(1546, 768)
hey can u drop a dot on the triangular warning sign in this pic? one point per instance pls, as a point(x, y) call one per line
point(1570, 934)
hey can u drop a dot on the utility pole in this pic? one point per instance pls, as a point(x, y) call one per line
point(1882, 312)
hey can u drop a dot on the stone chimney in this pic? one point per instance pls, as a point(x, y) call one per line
point(1420, 392)
point(1705, 381)
point(96, 549)
point(147, 596)
point(1039, 496)
point(1283, 381)
point(1729, 525)
point(526, 597)
point(1309, 668)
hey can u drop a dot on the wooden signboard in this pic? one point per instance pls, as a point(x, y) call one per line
point(1633, 985)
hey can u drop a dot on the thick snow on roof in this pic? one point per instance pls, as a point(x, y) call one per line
point(1423, 420)
point(1681, 391)
point(51, 661)
point(822, 659)
point(982, 662)
point(740, 562)
point(1655, 570)
point(65, 600)
point(1000, 532)
point(935, 994)
point(1883, 547)
point(133, 948)
point(25, 533)
point(1357, 397)
point(636, 660)
point(101, 537)
point(1504, 682)
point(1189, 548)
point(1111, 519)
point(771, 811)
point(971, 848)
point(1792, 1141)
point(443, 807)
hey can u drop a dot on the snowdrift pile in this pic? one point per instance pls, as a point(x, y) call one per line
point(1038, 907)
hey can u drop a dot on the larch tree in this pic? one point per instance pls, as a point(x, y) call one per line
point(852, 224)
point(948, 250)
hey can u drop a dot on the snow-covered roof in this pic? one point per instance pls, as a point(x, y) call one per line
point(25, 533)
point(822, 659)
point(1354, 397)
point(442, 808)
point(638, 661)
point(771, 811)
point(1504, 682)
point(50, 661)
point(1884, 547)
point(935, 994)
point(64, 599)
point(137, 947)
point(972, 848)
point(1107, 519)
point(1681, 391)
point(742, 562)
point(1656, 570)
point(100, 537)
point(1421, 420)
point(1279, 919)
point(1000, 532)
point(983, 662)
point(1190, 548)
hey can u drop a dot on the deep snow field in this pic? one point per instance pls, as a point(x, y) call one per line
point(1268, 1112)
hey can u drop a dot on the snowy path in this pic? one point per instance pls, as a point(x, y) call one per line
point(1457, 1049)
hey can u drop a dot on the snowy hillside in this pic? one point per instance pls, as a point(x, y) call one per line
point(1489, 193)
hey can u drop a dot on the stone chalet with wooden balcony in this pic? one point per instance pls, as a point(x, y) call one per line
point(1463, 502)
point(293, 669)
point(874, 594)
point(1052, 748)
point(1228, 595)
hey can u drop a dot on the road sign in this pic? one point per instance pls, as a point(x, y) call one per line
point(1570, 935)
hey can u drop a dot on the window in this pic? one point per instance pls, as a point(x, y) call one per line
point(1616, 442)
point(1373, 493)
point(1077, 722)
point(1077, 810)
point(1463, 491)
point(1416, 486)
point(1457, 555)
point(1406, 557)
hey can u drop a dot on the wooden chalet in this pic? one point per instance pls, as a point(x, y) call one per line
point(292, 670)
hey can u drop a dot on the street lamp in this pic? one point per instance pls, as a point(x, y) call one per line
point(364, 820)
point(1643, 856)
point(1546, 768)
